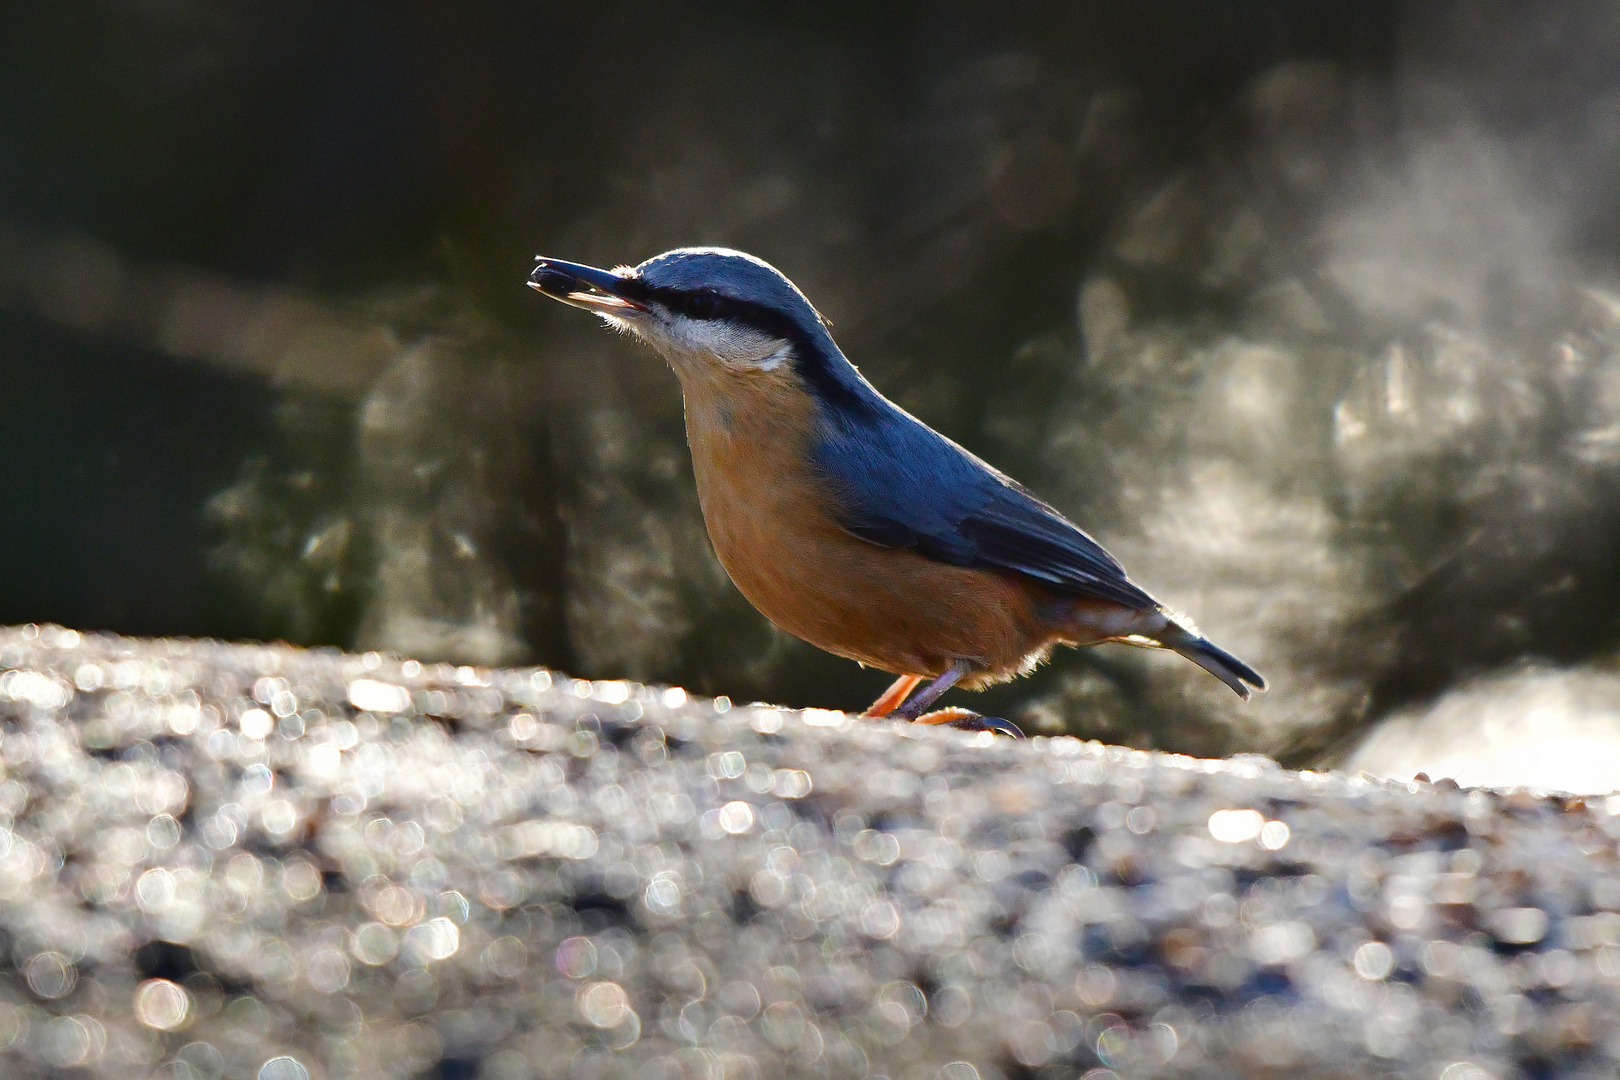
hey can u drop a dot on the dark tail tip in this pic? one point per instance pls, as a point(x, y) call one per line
point(1221, 664)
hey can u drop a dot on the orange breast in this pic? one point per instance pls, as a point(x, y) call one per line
point(774, 528)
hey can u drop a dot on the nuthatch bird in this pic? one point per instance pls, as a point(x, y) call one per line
point(847, 521)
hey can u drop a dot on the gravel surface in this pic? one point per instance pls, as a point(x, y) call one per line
point(265, 862)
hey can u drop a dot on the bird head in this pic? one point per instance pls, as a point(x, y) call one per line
point(716, 315)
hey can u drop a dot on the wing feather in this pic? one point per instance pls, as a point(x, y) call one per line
point(903, 485)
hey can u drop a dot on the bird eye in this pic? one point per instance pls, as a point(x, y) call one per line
point(701, 305)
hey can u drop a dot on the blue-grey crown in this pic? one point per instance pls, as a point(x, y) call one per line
point(737, 276)
point(753, 292)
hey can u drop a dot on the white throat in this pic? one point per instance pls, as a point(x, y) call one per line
point(697, 344)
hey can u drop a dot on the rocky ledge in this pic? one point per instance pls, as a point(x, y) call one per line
point(266, 862)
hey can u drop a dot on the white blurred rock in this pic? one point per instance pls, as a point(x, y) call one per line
point(1539, 728)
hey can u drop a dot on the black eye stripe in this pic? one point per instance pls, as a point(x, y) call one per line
point(707, 304)
point(818, 370)
point(703, 304)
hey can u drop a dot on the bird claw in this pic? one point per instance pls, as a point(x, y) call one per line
point(968, 720)
point(989, 723)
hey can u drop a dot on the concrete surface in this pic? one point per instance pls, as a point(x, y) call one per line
point(265, 862)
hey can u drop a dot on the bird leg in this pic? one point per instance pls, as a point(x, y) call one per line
point(926, 696)
point(894, 696)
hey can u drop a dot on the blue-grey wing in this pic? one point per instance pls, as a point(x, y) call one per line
point(901, 484)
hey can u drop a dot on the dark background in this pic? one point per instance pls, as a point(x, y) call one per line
point(1309, 310)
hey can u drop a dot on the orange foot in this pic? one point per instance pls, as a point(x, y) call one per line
point(968, 720)
point(948, 715)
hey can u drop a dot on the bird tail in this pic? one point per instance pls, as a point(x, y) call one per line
point(1213, 659)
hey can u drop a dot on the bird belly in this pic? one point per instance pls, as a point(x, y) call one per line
point(773, 522)
point(890, 608)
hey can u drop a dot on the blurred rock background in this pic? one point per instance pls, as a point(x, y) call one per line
point(1309, 310)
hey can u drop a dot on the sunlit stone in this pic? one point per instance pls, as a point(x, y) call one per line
point(663, 895)
point(69, 1040)
point(1518, 926)
point(611, 692)
point(880, 919)
point(161, 1004)
point(434, 940)
point(1373, 961)
point(736, 818)
point(576, 958)
point(375, 944)
point(602, 1004)
point(256, 724)
point(1236, 826)
point(1282, 943)
point(791, 783)
point(155, 890)
point(1274, 835)
point(163, 832)
point(327, 971)
point(283, 1068)
point(51, 975)
point(379, 697)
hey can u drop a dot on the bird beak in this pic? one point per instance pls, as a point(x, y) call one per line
point(584, 287)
